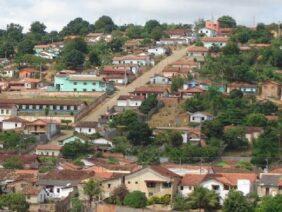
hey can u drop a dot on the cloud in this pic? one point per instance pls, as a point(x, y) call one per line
point(57, 13)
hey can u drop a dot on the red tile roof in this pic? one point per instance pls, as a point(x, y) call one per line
point(215, 39)
point(34, 101)
point(151, 89)
point(87, 124)
point(164, 171)
point(67, 175)
point(15, 119)
point(197, 49)
point(131, 97)
point(49, 147)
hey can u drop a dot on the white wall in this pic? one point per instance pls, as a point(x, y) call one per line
point(11, 125)
point(210, 44)
point(54, 153)
point(85, 130)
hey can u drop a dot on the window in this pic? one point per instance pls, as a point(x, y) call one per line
point(151, 184)
point(150, 194)
point(109, 185)
point(85, 83)
point(16, 125)
point(75, 83)
point(181, 188)
point(89, 129)
point(58, 190)
point(74, 89)
point(136, 182)
point(226, 187)
point(128, 182)
point(84, 90)
point(215, 187)
point(94, 83)
point(190, 187)
point(93, 90)
point(266, 191)
point(2, 111)
point(166, 185)
point(203, 118)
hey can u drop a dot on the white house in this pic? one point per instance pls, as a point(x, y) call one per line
point(7, 110)
point(207, 32)
point(160, 80)
point(48, 150)
point(13, 123)
point(173, 41)
point(221, 183)
point(214, 41)
point(142, 60)
point(197, 51)
point(158, 51)
point(102, 141)
point(200, 117)
point(130, 101)
point(86, 127)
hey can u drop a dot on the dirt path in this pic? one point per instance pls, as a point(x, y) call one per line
point(95, 114)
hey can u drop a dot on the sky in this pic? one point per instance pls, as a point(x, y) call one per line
point(57, 13)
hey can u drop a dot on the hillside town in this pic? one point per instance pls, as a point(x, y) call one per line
point(158, 117)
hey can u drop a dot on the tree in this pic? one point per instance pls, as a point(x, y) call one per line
point(14, 202)
point(202, 198)
point(170, 137)
point(177, 83)
point(213, 128)
point(135, 199)
point(104, 24)
point(181, 203)
point(94, 58)
point(26, 46)
point(116, 44)
point(231, 49)
point(14, 32)
point(227, 22)
point(73, 59)
point(157, 33)
point(118, 195)
point(195, 104)
point(38, 28)
point(236, 202)
point(75, 149)
point(266, 108)
point(148, 156)
point(126, 119)
point(134, 32)
point(148, 104)
point(256, 119)
point(76, 205)
point(139, 134)
point(269, 204)
point(13, 163)
point(93, 190)
point(77, 26)
point(6, 49)
point(236, 94)
point(151, 25)
point(235, 138)
point(266, 147)
point(76, 44)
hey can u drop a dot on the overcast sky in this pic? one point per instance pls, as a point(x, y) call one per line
point(57, 13)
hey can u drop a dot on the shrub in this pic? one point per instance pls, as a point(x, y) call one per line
point(135, 199)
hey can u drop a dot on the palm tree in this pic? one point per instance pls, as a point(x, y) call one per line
point(93, 190)
point(202, 198)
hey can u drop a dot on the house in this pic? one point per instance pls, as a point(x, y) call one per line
point(178, 33)
point(190, 84)
point(7, 110)
point(197, 51)
point(73, 138)
point(34, 195)
point(24, 84)
point(58, 184)
point(271, 89)
point(81, 83)
point(13, 123)
point(214, 41)
point(190, 92)
point(132, 45)
point(152, 180)
point(157, 90)
point(213, 25)
point(159, 79)
point(28, 73)
point(130, 101)
point(93, 38)
point(121, 68)
point(185, 62)
point(171, 72)
point(200, 117)
point(270, 184)
point(221, 183)
point(207, 32)
point(141, 60)
point(47, 128)
point(8, 71)
point(88, 128)
point(49, 51)
point(173, 41)
point(102, 144)
point(48, 150)
point(31, 106)
point(158, 51)
point(246, 88)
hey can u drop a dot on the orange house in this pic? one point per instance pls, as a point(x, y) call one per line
point(27, 73)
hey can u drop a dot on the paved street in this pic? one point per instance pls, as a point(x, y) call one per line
point(95, 114)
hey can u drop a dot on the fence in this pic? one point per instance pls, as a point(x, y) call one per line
point(90, 107)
